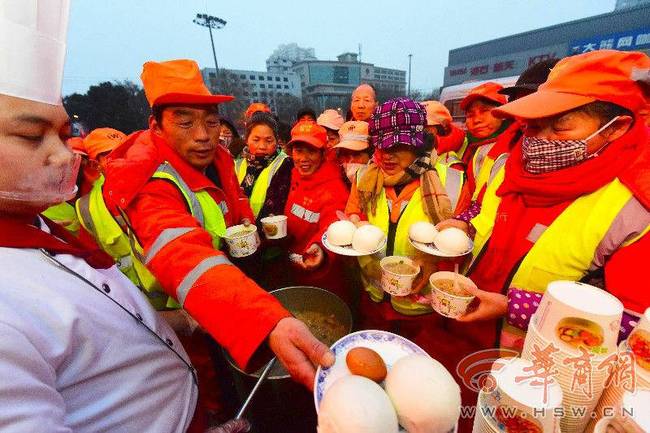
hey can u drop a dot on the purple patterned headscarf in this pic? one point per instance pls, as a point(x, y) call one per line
point(399, 120)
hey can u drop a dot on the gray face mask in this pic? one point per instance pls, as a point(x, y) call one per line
point(543, 155)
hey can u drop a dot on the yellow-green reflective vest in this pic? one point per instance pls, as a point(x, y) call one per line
point(451, 178)
point(64, 215)
point(565, 249)
point(261, 185)
point(113, 235)
point(370, 269)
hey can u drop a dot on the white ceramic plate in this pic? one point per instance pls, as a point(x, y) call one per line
point(391, 347)
point(348, 250)
point(431, 249)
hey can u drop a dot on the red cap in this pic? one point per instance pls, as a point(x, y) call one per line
point(489, 91)
point(177, 82)
point(308, 132)
point(255, 107)
point(603, 75)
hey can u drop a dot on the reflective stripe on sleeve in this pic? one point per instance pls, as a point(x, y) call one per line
point(196, 273)
point(164, 238)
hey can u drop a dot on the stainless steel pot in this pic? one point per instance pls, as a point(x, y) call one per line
point(282, 405)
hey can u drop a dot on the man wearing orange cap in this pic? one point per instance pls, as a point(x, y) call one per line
point(176, 191)
point(363, 102)
point(572, 202)
point(101, 141)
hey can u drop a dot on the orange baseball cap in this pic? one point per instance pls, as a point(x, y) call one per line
point(354, 135)
point(77, 145)
point(489, 91)
point(308, 132)
point(102, 140)
point(603, 75)
point(437, 113)
point(177, 82)
point(255, 107)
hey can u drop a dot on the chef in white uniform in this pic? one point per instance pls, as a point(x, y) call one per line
point(81, 349)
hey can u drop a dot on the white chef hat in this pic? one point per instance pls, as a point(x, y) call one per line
point(32, 48)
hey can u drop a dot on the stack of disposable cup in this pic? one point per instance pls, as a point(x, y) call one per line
point(629, 378)
point(574, 316)
point(515, 404)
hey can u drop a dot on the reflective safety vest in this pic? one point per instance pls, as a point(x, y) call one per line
point(482, 167)
point(261, 185)
point(412, 213)
point(566, 249)
point(116, 238)
point(64, 215)
point(451, 178)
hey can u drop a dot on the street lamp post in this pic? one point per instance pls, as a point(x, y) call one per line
point(210, 22)
point(408, 92)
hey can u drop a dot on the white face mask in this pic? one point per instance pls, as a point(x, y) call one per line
point(351, 169)
point(48, 186)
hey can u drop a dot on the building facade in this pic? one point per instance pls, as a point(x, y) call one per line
point(329, 83)
point(255, 86)
point(626, 28)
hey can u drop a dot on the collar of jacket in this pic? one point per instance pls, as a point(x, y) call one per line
point(131, 166)
point(325, 173)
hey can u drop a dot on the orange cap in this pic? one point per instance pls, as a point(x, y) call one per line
point(489, 91)
point(603, 75)
point(255, 107)
point(102, 140)
point(309, 132)
point(177, 82)
point(77, 145)
point(437, 114)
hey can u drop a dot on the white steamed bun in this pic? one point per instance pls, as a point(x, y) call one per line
point(452, 241)
point(355, 404)
point(367, 238)
point(341, 232)
point(423, 232)
point(424, 394)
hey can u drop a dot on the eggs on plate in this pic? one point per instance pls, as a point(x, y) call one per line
point(419, 394)
point(364, 239)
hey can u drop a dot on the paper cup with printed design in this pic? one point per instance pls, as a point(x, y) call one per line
point(446, 300)
point(398, 274)
point(275, 227)
point(641, 375)
point(639, 343)
point(517, 404)
point(242, 240)
point(573, 315)
point(578, 399)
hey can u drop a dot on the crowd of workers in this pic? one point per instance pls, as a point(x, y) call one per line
point(550, 177)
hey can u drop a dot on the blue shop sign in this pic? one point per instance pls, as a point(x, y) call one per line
point(625, 41)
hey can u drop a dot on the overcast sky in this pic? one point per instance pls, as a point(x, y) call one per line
point(110, 40)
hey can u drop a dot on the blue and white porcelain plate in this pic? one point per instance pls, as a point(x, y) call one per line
point(391, 347)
